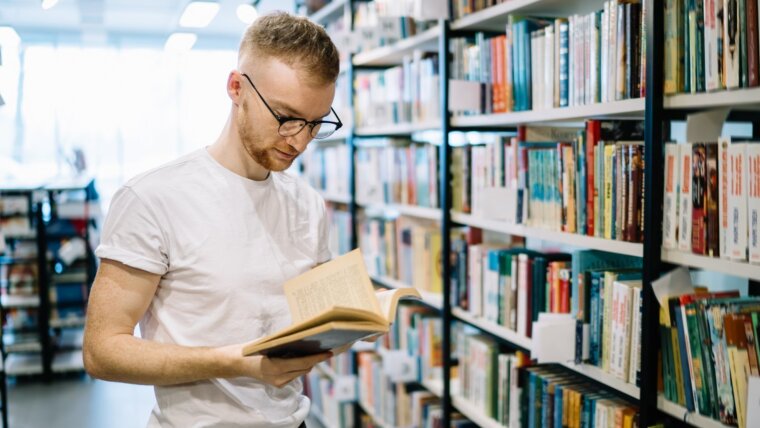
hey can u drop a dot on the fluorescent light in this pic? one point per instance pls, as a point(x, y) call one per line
point(247, 13)
point(198, 14)
point(180, 42)
point(47, 4)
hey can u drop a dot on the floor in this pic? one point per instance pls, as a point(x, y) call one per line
point(82, 403)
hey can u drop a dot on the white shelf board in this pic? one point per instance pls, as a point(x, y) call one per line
point(405, 210)
point(740, 98)
point(11, 301)
point(368, 410)
point(329, 11)
point(473, 413)
point(431, 299)
point(493, 328)
point(730, 267)
point(67, 322)
point(23, 364)
point(334, 197)
point(395, 53)
point(605, 378)
point(68, 361)
point(34, 346)
point(679, 412)
point(434, 385)
point(591, 242)
point(633, 108)
point(495, 17)
point(397, 129)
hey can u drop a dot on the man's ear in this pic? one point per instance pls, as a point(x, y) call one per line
point(234, 87)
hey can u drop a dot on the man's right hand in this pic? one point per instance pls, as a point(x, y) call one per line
point(273, 371)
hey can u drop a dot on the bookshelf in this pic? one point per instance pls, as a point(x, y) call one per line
point(394, 54)
point(729, 267)
point(438, 39)
point(625, 109)
point(745, 98)
point(590, 242)
point(329, 12)
point(681, 414)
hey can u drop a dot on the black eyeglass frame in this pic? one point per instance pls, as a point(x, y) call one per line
point(284, 119)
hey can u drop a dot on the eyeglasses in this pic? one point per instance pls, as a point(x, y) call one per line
point(290, 126)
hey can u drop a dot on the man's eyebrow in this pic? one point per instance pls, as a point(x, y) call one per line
point(291, 112)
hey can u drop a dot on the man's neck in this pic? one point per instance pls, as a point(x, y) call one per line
point(228, 150)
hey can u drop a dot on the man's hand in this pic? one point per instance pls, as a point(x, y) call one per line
point(273, 371)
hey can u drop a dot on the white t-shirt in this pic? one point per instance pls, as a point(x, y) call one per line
point(223, 245)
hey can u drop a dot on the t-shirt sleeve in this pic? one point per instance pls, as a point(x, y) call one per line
point(132, 235)
point(324, 254)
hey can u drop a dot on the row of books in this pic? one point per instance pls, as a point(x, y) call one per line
point(549, 63)
point(556, 397)
point(489, 379)
point(340, 229)
point(14, 205)
point(711, 45)
point(401, 172)
point(19, 278)
point(462, 8)
point(326, 168)
point(333, 412)
point(709, 349)
point(384, 22)
point(403, 94)
point(712, 195)
point(16, 318)
point(588, 181)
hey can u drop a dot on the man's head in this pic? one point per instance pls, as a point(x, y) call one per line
point(293, 65)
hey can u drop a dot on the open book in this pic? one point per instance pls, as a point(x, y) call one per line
point(332, 305)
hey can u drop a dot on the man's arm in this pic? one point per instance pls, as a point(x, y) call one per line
point(119, 298)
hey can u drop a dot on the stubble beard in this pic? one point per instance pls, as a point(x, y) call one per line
point(260, 154)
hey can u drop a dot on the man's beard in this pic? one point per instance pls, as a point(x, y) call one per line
point(261, 155)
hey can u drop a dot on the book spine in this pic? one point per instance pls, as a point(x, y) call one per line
point(670, 203)
point(685, 198)
point(699, 63)
point(698, 198)
point(712, 201)
point(712, 76)
point(731, 43)
point(737, 202)
point(724, 177)
point(622, 49)
point(564, 63)
point(753, 202)
point(753, 43)
point(741, 17)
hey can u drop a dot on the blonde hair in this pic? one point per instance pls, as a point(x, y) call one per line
point(296, 41)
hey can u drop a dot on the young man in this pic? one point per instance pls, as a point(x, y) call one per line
point(197, 250)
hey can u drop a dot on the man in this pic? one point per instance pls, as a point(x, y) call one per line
point(197, 250)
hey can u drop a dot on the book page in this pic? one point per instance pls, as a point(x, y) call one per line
point(388, 300)
point(342, 281)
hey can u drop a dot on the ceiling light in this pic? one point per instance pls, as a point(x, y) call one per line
point(180, 42)
point(198, 14)
point(47, 4)
point(247, 13)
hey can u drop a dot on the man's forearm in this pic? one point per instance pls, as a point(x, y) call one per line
point(125, 358)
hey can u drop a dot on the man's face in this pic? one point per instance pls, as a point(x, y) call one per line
point(288, 94)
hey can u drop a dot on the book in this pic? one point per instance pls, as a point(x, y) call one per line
point(331, 305)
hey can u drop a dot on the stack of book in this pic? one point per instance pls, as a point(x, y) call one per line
point(711, 198)
point(557, 397)
point(489, 379)
point(709, 348)
point(550, 63)
point(404, 94)
point(402, 172)
point(588, 181)
point(711, 45)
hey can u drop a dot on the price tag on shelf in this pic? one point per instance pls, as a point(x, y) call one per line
point(400, 366)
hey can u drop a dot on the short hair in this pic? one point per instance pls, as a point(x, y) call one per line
point(296, 41)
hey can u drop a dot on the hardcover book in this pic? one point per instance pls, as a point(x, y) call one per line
point(332, 305)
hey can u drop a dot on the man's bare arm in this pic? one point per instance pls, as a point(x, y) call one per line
point(120, 296)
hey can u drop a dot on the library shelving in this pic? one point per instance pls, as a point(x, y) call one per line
point(433, 300)
point(46, 274)
point(653, 109)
